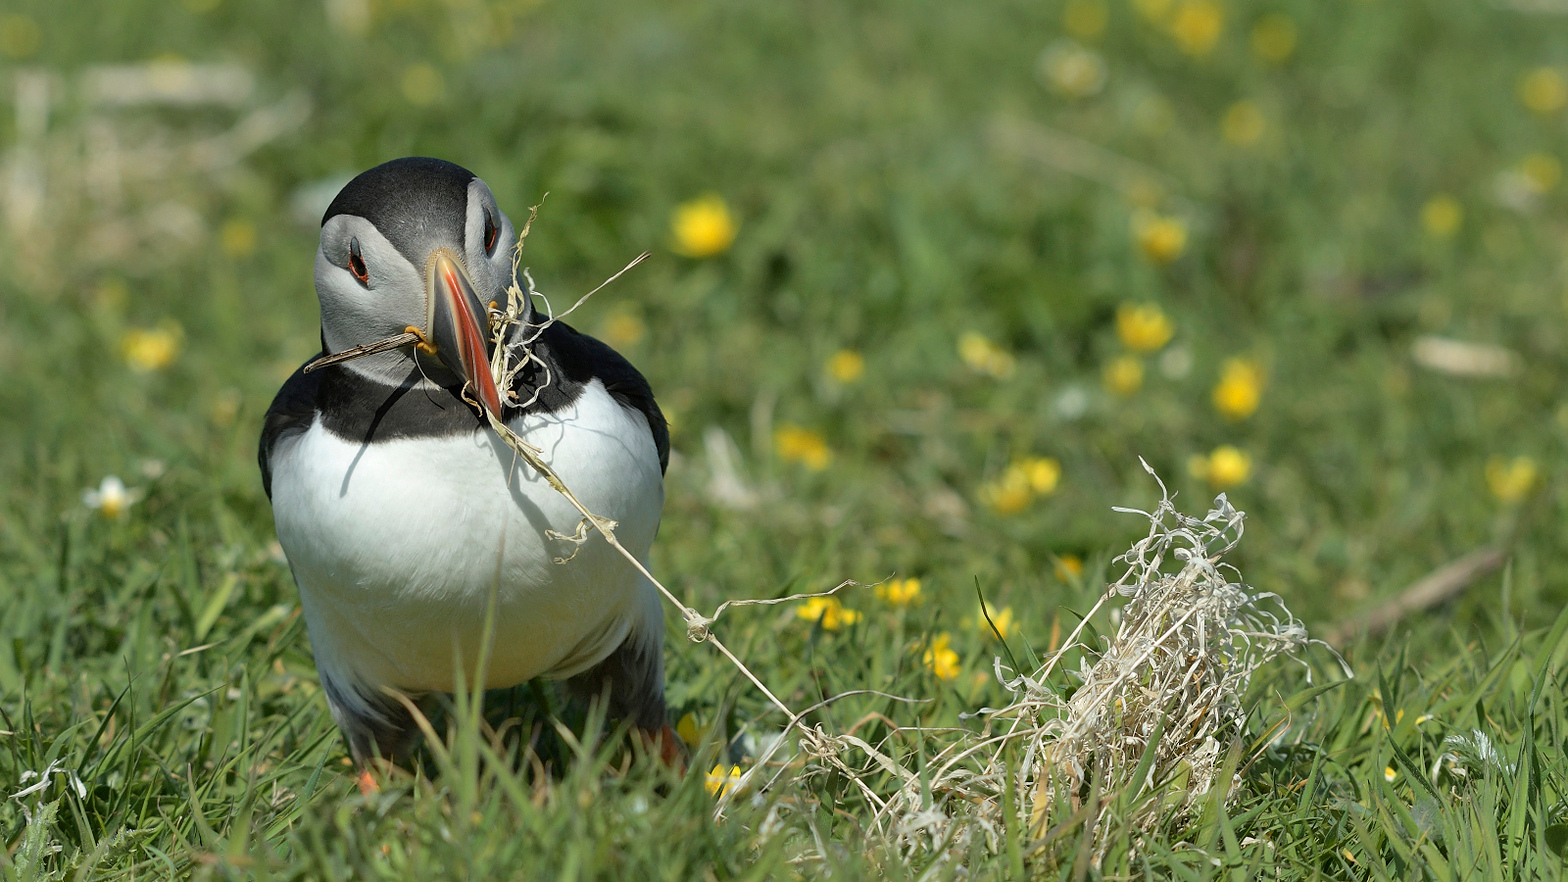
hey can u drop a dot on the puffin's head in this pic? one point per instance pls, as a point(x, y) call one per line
point(419, 245)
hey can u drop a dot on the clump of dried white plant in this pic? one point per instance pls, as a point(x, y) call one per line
point(1146, 720)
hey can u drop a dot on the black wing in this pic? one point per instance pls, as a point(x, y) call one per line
point(291, 413)
point(580, 358)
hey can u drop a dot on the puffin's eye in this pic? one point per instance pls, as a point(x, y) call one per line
point(356, 263)
point(491, 233)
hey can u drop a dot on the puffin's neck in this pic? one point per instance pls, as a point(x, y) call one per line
point(363, 407)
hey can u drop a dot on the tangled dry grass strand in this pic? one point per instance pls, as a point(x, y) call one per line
point(1147, 719)
point(1164, 699)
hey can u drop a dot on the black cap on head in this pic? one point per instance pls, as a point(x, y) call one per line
point(410, 200)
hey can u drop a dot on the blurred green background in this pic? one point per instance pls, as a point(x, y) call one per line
point(928, 279)
point(899, 176)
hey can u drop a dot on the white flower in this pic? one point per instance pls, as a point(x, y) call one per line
point(112, 497)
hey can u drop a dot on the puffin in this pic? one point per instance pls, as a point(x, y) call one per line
point(412, 530)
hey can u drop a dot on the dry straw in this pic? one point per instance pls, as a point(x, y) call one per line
point(1147, 726)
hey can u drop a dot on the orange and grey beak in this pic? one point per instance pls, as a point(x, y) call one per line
point(459, 327)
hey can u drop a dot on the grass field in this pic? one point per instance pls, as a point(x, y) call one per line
point(984, 257)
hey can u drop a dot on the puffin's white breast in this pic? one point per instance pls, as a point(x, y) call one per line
point(398, 546)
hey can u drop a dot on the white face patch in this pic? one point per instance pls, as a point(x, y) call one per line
point(353, 312)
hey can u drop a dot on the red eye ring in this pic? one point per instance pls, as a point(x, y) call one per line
point(356, 263)
point(491, 233)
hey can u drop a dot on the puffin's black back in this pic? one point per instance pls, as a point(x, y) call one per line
point(404, 198)
point(359, 408)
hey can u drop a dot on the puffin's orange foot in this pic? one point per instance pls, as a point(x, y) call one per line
point(667, 745)
point(368, 786)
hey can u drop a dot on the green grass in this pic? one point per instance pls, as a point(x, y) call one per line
point(159, 658)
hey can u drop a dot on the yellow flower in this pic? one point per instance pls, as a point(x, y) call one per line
point(1143, 327)
point(803, 446)
point(151, 349)
point(829, 611)
point(846, 366)
point(623, 329)
point(1124, 374)
point(1240, 388)
point(983, 356)
point(1197, 25)
point(1002, 619)
point(900, 592)
point(1511, 481)
point(689, 731)
point(422, 84)
point(1021, 483)
point(1161, 238)
point(1226, 467)
point(1542, 171)
point(112, 497)
point(237, 237)
point(1008, 494)
point(941, 658)
point(1043, 473)
point(1072, 70)
point(1085, 19)
point(1441, 216)
point(1243, 124)
point(703, 227)
point(720, 781)
point(1274, 37)
point(1389, 774)
point(1543, 91)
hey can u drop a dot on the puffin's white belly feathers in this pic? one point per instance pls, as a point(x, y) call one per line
point(399, 545)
